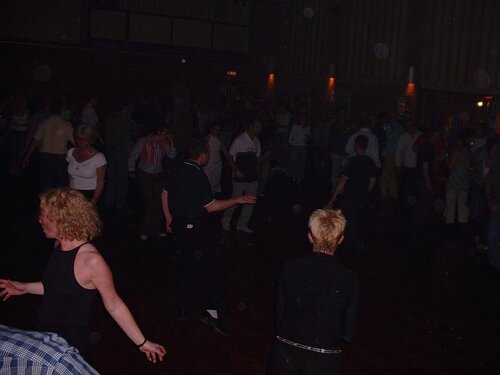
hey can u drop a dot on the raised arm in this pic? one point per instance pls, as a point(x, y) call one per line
point(15, 288)
point(101, 277)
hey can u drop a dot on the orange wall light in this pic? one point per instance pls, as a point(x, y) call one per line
point(331, 85)
point(410, 90)
point(270, 80)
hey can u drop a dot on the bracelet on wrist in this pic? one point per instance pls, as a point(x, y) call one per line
point(141, 345)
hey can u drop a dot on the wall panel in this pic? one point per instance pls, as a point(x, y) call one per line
point(150, 29)
point(108, 24)
point(191, 33)
point(36, 20)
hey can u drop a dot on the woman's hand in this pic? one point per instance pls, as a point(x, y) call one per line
point(11, 288)
point(153, 351)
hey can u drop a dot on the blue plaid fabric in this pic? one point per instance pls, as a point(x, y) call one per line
point(39, 353)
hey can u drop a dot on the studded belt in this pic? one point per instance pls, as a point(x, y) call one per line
point(310, 348)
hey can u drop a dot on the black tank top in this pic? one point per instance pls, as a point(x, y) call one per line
point(65, 302)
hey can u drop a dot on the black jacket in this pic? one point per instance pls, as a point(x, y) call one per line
point(317, 301)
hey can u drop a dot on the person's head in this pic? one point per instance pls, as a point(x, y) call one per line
point(215, 129)
point(90, 98)
point(361, 144)
point(326, 230)
point(55, 106)
point(121, 104)
point(65, 214)
point(302, 120)
point(85, 135)
point(159, 132)
point(198, 151)
point(180, 103)
point(254, 125)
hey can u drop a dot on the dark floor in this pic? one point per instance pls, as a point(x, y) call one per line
point(426, 308)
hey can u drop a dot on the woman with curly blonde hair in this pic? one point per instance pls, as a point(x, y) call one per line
point(74, 274)
point(317, 302)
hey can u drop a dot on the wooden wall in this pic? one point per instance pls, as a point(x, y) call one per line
point(56, 21)
point(453, 44)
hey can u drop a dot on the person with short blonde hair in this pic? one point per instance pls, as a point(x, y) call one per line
point(74, 274)
point(317, 304)
point(326, 230)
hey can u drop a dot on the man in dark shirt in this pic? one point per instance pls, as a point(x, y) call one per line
point(187, 200)
point(355, 184)
point(316, 304)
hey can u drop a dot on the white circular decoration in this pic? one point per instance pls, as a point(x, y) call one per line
point(308, 12)
point(42, 73)
point(381, 50)
point(481, 79)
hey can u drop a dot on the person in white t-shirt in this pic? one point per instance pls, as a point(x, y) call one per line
point(300, 136)
point(213, 169)
point(89, 114)
point(245, 152)
point(86, 166)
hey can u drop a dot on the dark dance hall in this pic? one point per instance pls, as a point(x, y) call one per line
point(250, 187)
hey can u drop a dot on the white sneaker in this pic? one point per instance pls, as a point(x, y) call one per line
point(226, 227)
point(245, 229)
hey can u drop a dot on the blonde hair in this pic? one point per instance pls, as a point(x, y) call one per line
point(326, 228)
point(73, 216)
point(85, 131)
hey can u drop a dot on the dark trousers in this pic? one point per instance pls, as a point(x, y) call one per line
point(53, 171)
point(117, 175)
point(352, 206)
point(407, 185)
point(195, 240)
point(287, 360)
point(150, 186)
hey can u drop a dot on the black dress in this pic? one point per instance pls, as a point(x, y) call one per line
point(66, 305)
point(317, 303)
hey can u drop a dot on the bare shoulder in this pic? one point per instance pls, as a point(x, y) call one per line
point(90, 257)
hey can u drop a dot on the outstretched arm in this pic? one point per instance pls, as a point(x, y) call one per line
point(101, 277)
point(222, 204)
point(15, 288)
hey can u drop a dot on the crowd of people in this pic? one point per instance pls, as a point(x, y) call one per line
point(87, 158)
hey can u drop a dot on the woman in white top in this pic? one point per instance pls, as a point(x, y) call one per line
point(86, 166)
point(213, 169)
